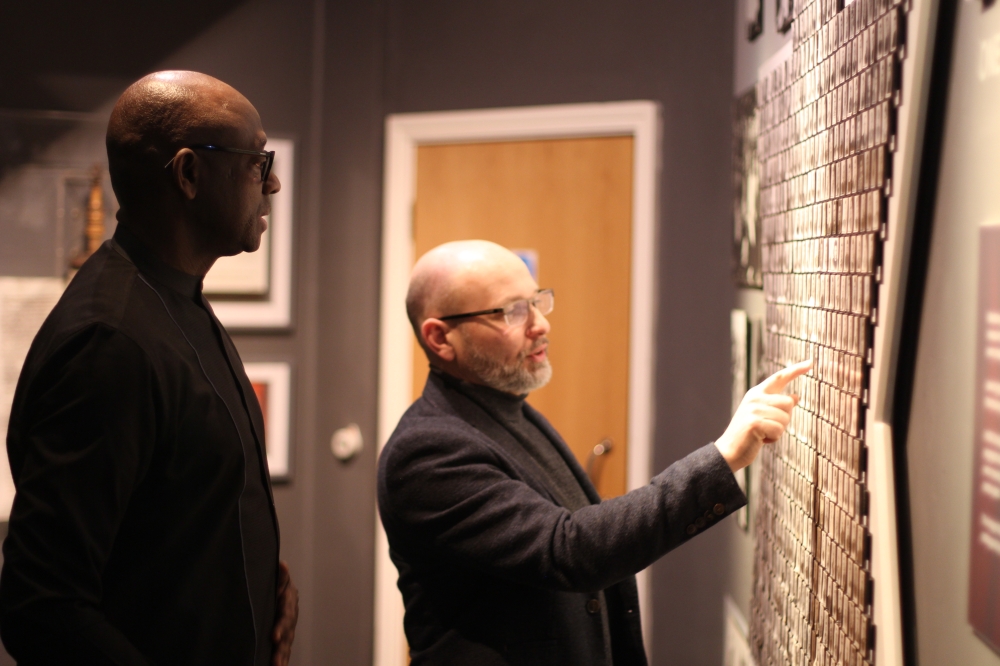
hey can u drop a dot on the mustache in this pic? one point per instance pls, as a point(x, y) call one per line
point(534, 348)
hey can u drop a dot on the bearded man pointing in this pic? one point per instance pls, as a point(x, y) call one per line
point(506, 553)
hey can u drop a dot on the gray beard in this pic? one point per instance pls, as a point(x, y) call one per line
point(513, 378)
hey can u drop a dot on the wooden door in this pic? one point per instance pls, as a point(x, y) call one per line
point(570, 201)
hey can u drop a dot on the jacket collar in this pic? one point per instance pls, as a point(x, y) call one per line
point(447, 393)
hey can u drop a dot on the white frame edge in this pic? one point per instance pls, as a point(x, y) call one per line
point(276, 311)
point(277, 433)
point(887, 608)
point(404, 132)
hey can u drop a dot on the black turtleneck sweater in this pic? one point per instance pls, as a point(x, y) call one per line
point(143, 529)
point(508, 410)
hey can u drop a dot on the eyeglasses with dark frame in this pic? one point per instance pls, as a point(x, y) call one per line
point(265, 166)
point(516, 313)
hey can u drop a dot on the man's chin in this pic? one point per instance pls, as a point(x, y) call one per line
point(541, 373)
point(251, 243)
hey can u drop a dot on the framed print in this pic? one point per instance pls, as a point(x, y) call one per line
point(746, 192)
point(272, 384)
point(253, 290)
point(754, 18)
point(740, 328)
point(25, 302)
point(784, 14)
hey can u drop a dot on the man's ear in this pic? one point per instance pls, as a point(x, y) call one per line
point(435, 335)
point(185, 169)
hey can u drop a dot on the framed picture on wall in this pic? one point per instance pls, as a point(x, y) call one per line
point(739, 326)
point(272, 382)
point(755, 18)
point(784, 14)
point(253, 290)
point(746, 192)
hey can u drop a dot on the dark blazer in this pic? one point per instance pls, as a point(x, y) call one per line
point(493, 570)
point(125, 543)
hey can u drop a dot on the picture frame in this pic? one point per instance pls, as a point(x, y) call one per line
point(740, 345)
point(747, 231)
point(253, 291)
point(784, 14)
point(754, 18)
point(272, 383)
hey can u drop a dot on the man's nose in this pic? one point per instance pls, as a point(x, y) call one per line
point(273, 184)
point(539, 325)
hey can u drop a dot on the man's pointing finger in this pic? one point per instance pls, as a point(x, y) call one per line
point(777, 382)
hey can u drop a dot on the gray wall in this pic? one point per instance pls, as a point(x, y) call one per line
point(940, 445)
point(326, 73)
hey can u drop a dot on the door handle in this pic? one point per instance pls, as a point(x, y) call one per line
point(602, 448)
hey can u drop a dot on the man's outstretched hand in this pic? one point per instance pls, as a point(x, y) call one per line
point(286, 617)
point(761, 417)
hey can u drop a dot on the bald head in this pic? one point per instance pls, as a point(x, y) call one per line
point(458, 277)
point(476, 279)
point(159, 114)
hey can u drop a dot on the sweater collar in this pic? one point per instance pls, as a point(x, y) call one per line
point(502, 403)
point(150, 265)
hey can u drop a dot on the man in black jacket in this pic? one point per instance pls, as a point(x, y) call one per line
point(505, 552)
point(143, 530)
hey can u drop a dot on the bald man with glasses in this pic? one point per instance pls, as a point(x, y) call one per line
point(506, 553)
point(143, 531)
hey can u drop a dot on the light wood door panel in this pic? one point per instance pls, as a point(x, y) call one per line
point(571, 201)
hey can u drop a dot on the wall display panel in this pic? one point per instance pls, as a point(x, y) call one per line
point(827, 136)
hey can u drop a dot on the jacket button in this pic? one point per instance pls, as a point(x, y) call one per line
point(691, 529)
point(700, 522)
point(709, 516)
point(593, 606)
point(719, 509)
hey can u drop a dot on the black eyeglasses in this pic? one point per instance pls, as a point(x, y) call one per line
point(265, 166)
point(516, 313)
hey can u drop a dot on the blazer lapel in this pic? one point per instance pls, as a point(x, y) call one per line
point(543, 424)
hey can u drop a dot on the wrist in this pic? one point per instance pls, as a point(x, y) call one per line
point(724, 445)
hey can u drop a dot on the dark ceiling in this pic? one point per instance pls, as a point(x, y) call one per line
point(72, 56)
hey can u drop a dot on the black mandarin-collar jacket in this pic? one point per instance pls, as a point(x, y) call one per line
point(493, 570)
point(134, 445)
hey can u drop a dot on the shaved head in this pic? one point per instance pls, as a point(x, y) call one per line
point(156, 116)
point(486, 348)
point(447, 279)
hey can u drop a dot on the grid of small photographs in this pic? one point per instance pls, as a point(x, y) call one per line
point(827, 119)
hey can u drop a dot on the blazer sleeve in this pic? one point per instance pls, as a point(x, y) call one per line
point(85, 432)
point(445, 495)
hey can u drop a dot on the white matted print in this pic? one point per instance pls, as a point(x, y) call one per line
point(272, 384)
point(24, 305)
point(254, 290)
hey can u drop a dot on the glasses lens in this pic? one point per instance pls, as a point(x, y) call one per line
point(516, 313)
point(265, 167)
point(545, 301)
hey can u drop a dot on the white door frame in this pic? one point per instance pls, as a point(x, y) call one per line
point(404, 132)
